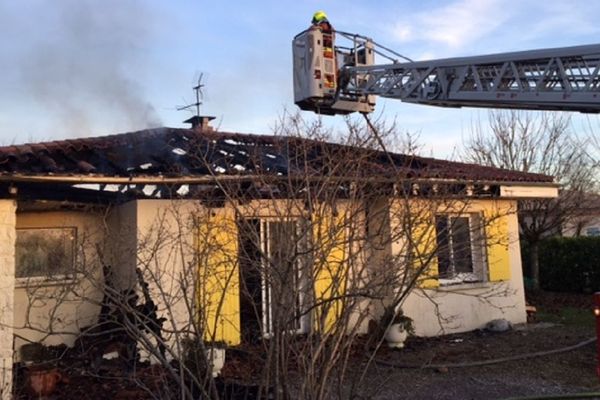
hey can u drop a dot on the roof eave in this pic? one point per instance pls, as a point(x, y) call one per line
point(196, 179)
point(527, 191)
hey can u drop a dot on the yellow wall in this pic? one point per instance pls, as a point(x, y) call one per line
point(464, 307)
point(219, 276)
point(421, 225)
point(423, 235)
point(497, 214)
point(330, 266)
point(414, 240)
point(218, 245)
point(219, 298)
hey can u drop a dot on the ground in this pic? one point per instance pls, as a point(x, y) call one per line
point(562, 320)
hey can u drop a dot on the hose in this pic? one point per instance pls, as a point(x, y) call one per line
point(590, 395)
point(489, 362)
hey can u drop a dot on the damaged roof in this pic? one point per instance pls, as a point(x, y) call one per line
point(173, 152)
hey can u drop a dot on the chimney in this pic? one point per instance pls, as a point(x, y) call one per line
point(200, 123)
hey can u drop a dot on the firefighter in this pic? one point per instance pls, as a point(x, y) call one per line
point(320, 21)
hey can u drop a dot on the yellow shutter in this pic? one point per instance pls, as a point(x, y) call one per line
point(330, 266)
point(497, 238)
point(219, 302)
point(424, 244)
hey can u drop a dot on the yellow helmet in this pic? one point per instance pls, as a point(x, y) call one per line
point(319, 16)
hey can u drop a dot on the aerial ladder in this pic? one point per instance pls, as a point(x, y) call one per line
point(332, 78)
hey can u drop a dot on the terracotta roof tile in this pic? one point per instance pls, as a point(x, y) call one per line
point(173, 152)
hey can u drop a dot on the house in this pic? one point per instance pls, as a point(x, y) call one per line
point(252, 235)
point(586, 220)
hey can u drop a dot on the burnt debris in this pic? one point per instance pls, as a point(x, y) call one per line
point(172, 152)
point(204, 164)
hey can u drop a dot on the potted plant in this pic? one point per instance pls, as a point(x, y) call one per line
point(215, 354)
point(42, 373)
point(398, 328)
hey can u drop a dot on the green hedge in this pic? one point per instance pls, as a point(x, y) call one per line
point(570, 264)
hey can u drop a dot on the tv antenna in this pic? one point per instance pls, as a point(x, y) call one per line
point(199, 97)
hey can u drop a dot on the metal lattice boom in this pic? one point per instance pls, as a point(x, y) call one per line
point(551, 79)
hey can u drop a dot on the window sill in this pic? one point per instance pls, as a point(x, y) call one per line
point(41, 281)
point(451, 287)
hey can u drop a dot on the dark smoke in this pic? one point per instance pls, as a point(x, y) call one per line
point(85, 63)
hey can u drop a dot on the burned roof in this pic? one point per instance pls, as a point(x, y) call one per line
point(173, 152)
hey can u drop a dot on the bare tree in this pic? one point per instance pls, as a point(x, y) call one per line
point(594, 154)
point(537, 143)
point(313, 251)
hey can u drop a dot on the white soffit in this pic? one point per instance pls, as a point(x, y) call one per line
point(532, 192)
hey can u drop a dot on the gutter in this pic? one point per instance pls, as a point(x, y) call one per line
point(507, 189)
point(214, 178)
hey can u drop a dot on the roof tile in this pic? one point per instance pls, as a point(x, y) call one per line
point(172, 151)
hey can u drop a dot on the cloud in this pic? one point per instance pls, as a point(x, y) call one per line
point(565, 22)
point(455, 25)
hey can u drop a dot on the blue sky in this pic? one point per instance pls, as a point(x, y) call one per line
point(77, 68)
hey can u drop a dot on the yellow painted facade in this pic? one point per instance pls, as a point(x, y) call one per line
point(498, 236)
point(219, 300)
point(423, 245)
point(330, 266)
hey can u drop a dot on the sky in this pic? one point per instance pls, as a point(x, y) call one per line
point(79, 68)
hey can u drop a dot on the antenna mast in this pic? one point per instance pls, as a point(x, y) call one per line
point(199, 97)
point(198, 121)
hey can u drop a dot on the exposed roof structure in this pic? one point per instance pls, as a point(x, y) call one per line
point(171, 152)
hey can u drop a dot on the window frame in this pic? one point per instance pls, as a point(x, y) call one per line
point(302, 278)
point(477, 249)
point(302, 272)
point(48, 279)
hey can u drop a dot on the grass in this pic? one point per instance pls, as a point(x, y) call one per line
point(569, 316)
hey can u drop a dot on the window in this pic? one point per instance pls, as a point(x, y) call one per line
point(273, 277)
point(460, 248)
point(593, 231)
point(45, 252)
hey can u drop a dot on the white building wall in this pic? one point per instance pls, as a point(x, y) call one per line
point(153, 235)
point(462, 308)
point(158, 236)
point(165, 247)
point(7, 285)
point(53, 311)
point(583, 226)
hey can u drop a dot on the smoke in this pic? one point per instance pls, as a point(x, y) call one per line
point(85, 63)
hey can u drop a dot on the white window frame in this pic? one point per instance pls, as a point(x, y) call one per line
point(477, 245)
point(303, 279)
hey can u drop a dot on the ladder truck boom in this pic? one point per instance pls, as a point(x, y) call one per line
point(566, 79)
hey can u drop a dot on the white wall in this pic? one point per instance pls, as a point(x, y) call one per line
point(158, 236)
point(53, 311)
point(7, 275)
point(154, 235)
point(165, 248)
point(467, 307)
point(587, 226)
